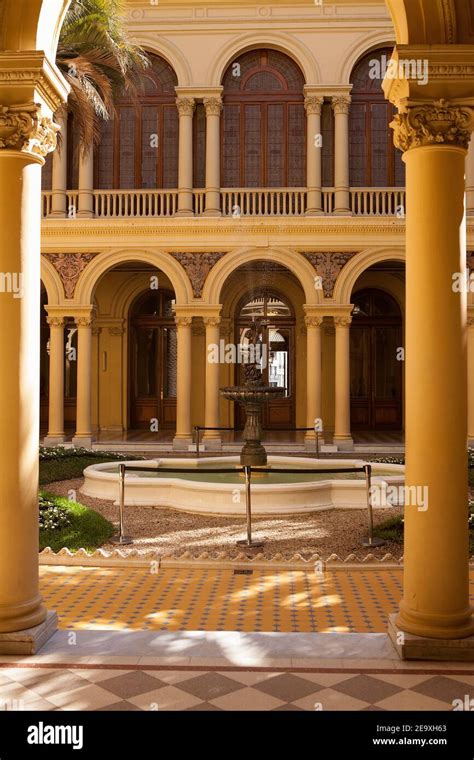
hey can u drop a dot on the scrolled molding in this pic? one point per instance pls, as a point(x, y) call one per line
point(83, 320)
point(313, 104)
point(211, 321)
point(24, 128)
point(437, 123)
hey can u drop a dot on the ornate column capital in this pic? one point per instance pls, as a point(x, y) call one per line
point(312, 321)
point(213, 106)
point(83, 320)
point(183, 321)
point(437, 123)
point(313, 104)
point(25, 128)
point(55, 321)
point(185, 106)
point(341, 104)
point(211, 321)
point(342, 321)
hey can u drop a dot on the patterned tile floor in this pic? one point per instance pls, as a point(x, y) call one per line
point(344, 601)
point(134, 688)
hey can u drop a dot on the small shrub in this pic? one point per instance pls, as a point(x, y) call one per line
point(52, 516)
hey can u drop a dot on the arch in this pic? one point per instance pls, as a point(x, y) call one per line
point(171, 53)
point(359, 49)
point(32, 25)
point(281, 42)
point(52, 283)
point(426, 22)
point(126, 294)
point(156, 258)
point(293, 261)
point(357, 266)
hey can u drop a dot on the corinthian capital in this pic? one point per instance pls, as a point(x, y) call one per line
point(313, 104)
point(341, 104)
point(24, 128)
point(185, 106)
point(437, 123)
point(213, 106)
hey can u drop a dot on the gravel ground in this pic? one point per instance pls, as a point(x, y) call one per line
point(172, 532)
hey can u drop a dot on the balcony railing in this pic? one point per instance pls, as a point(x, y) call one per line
point(235, 202)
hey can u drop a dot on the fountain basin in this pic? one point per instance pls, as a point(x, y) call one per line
point(224, 494)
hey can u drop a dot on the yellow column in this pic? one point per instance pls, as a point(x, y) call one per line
point(213, 108)
point(470, 376)
point(212, 438)
point(86, 186)
point(56, 381)
point(470, 179)
point(342, 431)
point(313, 105)
point(313, 376)
point(27, 135)
point(83, 436)
point(434, 138)
point(59, 179)
point(186, 108)
point(341, 105)
point(183, 436)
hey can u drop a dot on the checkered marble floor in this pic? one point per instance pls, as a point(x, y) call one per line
point(133, 688)
point(348, 600)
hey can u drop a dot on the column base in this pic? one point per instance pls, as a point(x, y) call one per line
point(212, 444)
point(314, 212)
point(310, 443)
point(85, 214)
point(411, 647)
point(184, 212)
point(182, 443)
point(214, 212)
point(470, 443)
point(57, 215)
point(29, 641)
point(343, 443)
point(83, 441)
point(342, 212)
point(54, 440)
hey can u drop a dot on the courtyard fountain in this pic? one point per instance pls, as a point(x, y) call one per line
point(252, 395)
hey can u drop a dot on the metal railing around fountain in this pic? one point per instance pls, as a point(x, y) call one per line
point(198, 428)
point(248, 543)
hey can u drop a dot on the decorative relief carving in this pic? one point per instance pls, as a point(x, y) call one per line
point(328, 266)
point(23, 128)
point(313, 104)
point(116, 330)
point(197, 267)
point(185, 106)
point(435, 123)
point(213, 106)
point(70, 267)
point(341, 104)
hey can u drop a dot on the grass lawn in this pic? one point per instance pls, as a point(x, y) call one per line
point(87, 528)
point(68, 468)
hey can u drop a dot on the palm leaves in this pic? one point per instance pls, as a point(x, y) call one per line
point(98, 59)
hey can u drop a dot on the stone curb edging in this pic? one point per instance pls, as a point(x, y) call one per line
point(143, 558)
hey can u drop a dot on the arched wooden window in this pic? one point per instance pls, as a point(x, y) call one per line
point(264, 124)
point(139, 147)
point(374, 160)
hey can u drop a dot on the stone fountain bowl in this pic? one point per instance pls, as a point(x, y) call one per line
point(247, 394)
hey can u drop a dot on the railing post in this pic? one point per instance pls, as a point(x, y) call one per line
point(371, 541)
point(196, 433)
point(121, 538)
point(247, 542)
